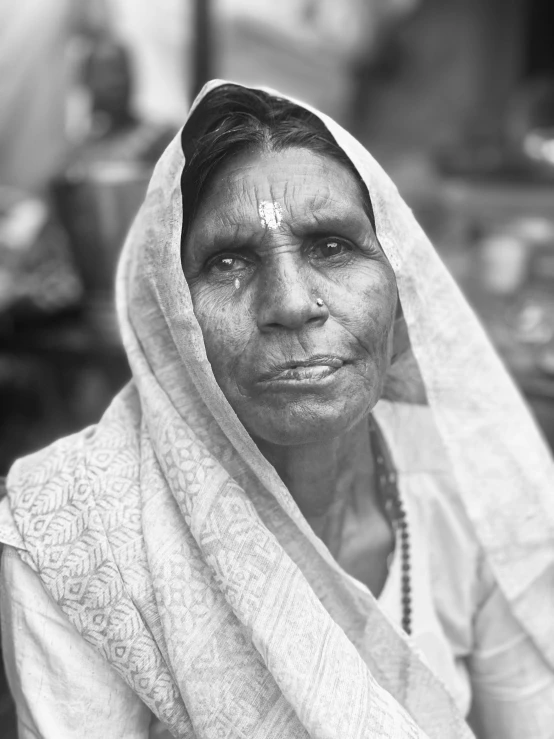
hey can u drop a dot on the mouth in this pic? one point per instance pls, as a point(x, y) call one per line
point(304, 370)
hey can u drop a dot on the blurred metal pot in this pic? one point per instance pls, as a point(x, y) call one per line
point(96, 203)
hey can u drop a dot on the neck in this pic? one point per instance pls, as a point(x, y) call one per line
point(326, 479)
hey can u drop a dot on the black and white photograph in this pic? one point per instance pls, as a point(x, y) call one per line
point(276, 369)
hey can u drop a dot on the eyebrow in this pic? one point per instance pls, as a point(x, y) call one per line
point(326, 219)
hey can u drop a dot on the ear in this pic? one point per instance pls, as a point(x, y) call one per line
point(403, 382)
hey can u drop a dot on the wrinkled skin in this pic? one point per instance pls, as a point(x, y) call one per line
point(324, 247)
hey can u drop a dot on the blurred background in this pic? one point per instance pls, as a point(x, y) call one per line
point(455, 98)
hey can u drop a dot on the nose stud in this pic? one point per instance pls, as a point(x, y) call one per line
point(237, 283)
point(319, 302)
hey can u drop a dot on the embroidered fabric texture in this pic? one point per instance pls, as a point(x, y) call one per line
point(173, 547)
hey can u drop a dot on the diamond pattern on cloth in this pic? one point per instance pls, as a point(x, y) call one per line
point(177, 552)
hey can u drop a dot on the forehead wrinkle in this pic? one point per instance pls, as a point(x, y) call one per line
point(347, 220)
point(326, 207)
point(222, 230)
point(237, 207)
point(233, 202)
point(320, 197)
point(251, 193)
point(296, 199)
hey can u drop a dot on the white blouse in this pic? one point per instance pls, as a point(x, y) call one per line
point(461, 622)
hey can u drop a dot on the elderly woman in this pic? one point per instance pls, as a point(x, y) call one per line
point(320, 508)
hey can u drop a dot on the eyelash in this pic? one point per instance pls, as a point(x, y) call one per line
point(217, 260)
point(336, 242)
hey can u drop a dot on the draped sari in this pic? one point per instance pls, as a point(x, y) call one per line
point(175, 549)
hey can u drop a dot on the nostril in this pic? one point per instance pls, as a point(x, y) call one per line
point(288, 304)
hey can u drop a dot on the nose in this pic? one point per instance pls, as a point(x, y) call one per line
point(288, 299)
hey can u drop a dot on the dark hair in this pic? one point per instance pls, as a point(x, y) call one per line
point(233, 119)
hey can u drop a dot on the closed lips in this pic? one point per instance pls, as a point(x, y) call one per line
point(304, 368)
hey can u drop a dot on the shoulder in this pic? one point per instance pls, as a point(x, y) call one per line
point(86, 482)
point(8, 530)
point(75, 472)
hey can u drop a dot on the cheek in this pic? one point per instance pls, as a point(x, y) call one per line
point(226, 326)
point(367, 307)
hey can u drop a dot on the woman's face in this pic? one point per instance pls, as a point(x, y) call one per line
point(274, 233)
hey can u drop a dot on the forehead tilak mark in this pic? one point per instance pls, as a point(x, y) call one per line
point(271, 214)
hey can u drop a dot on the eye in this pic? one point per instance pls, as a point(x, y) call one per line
point(329, 248)
point(227, 263)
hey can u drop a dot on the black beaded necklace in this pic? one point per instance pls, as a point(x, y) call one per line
point(389, 496)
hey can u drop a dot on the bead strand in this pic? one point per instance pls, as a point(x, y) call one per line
point(406, 566)
point(393, 506)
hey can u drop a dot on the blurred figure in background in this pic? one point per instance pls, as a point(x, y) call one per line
point(33, 42)
point(158, 36)
point(310, 49)
point(313, 49)
point(36, 74)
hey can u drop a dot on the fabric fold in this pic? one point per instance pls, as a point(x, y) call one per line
point(176, 550)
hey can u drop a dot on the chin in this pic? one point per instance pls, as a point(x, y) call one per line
point(308, 422)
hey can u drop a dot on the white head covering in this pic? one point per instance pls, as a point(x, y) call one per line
point(175, 549)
